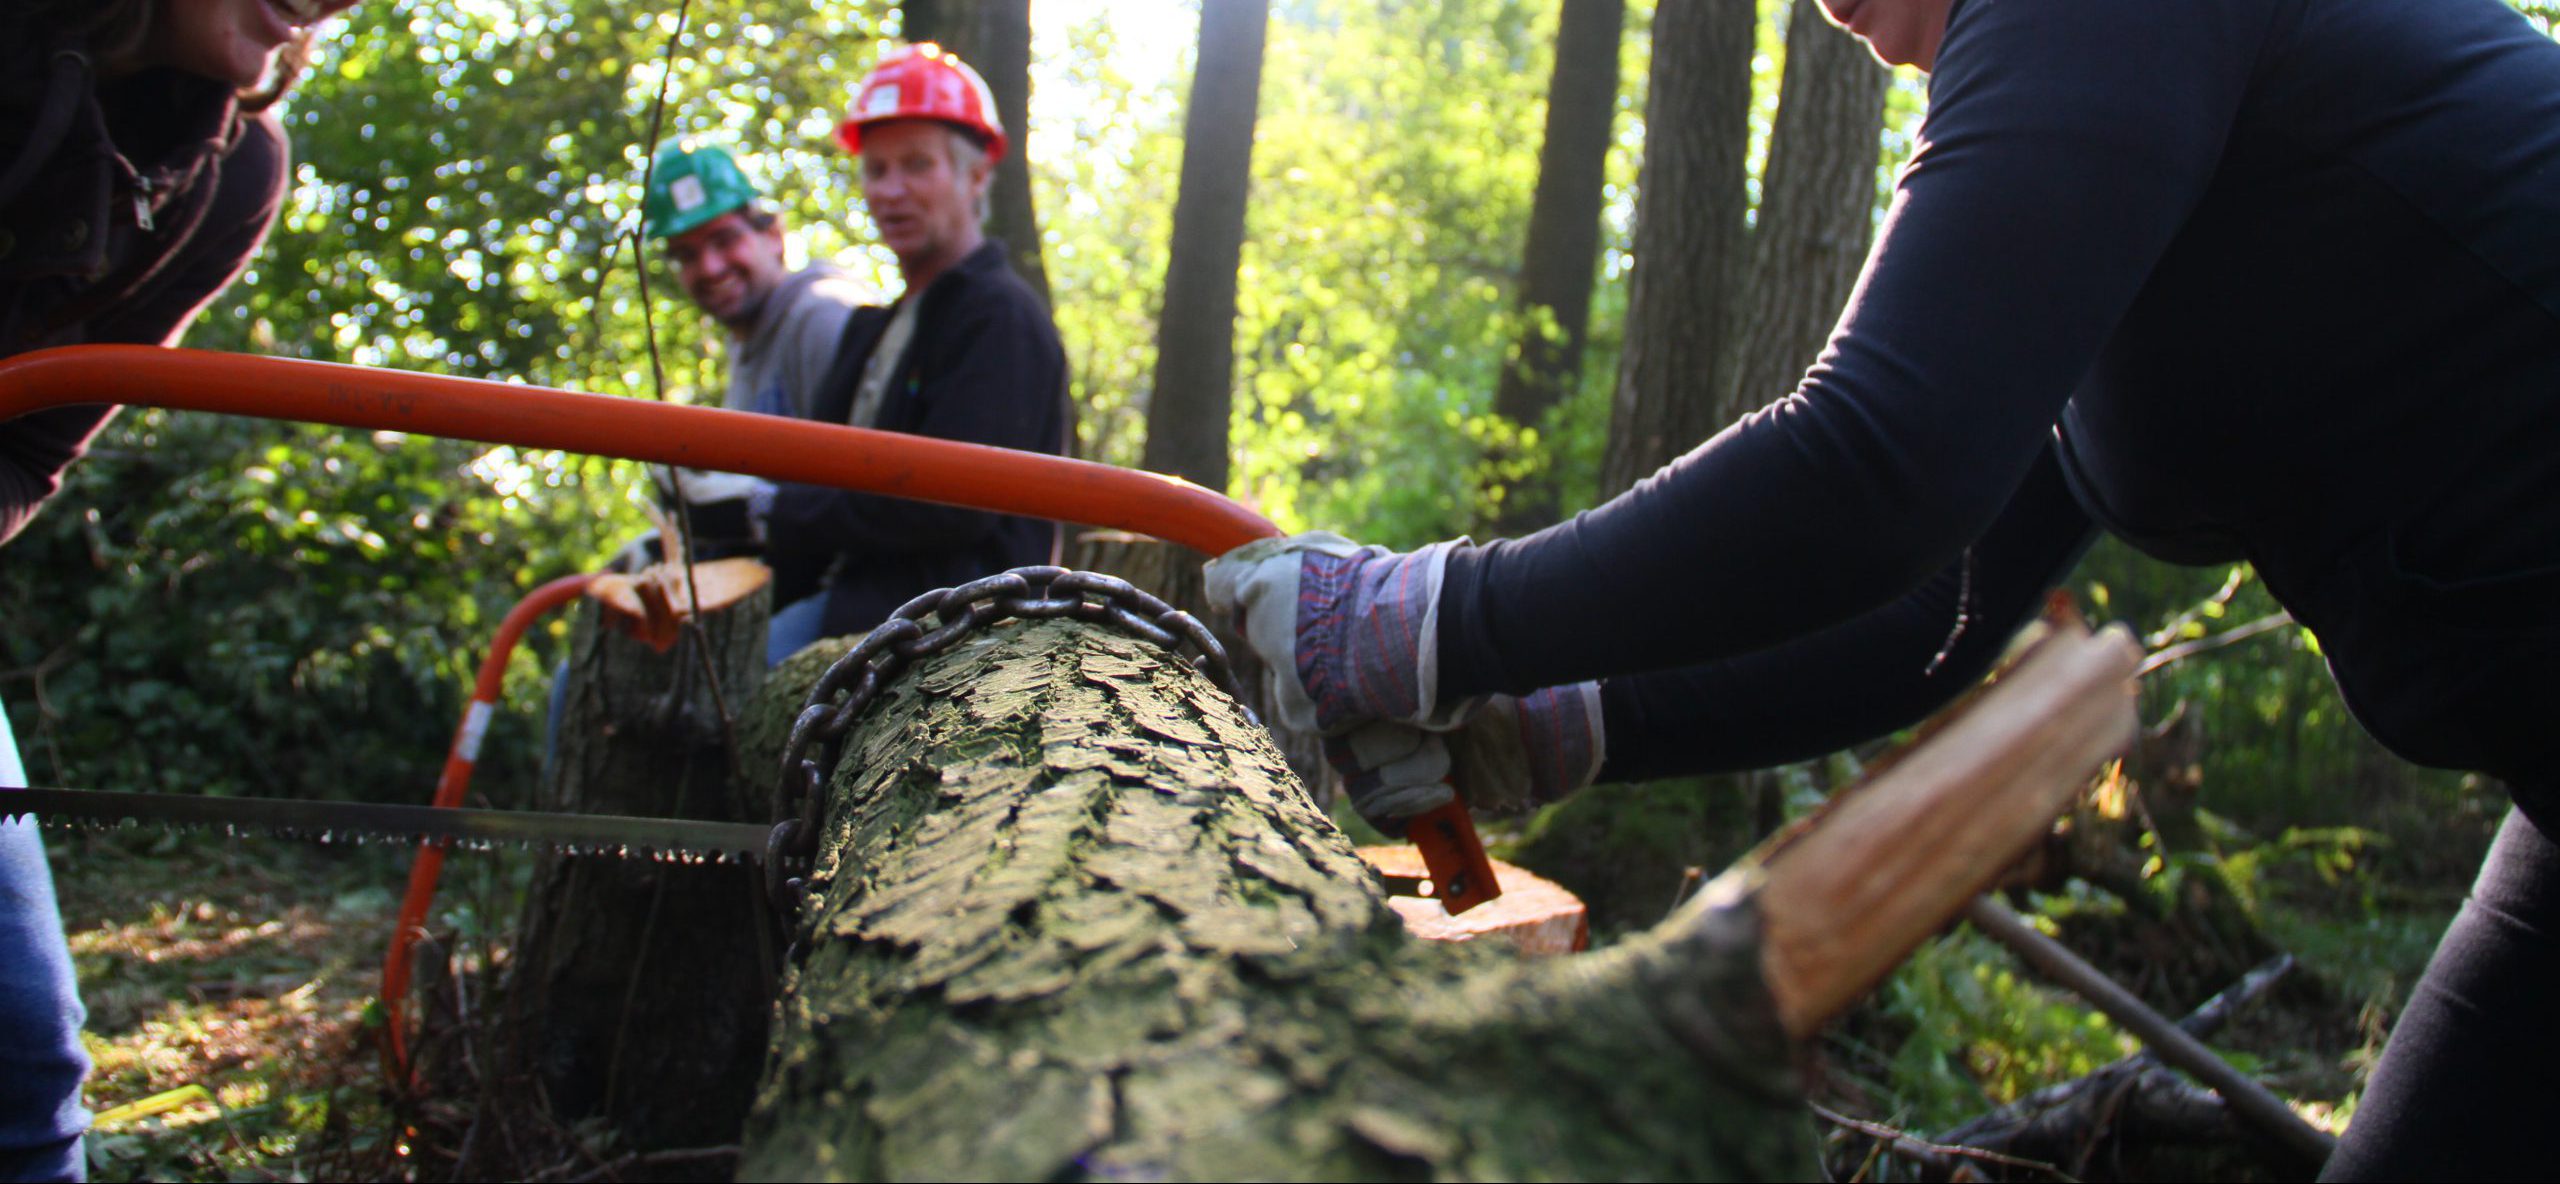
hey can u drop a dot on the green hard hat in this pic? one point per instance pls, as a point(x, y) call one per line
point(690, 186)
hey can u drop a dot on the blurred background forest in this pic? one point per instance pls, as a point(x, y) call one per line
point(1496, 259)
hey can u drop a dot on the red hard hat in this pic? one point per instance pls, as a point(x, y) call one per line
point(924, 82)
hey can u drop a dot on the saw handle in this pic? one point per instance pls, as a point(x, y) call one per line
point(1461, 874)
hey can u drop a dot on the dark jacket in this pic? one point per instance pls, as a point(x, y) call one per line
point(985, 367)
point(2271, 280)
point(122, 213)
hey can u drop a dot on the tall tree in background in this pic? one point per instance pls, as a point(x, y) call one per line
point(1724, 312)
point(1723, 317)
point(1562, 249)
point(1817, 208)
point(1195, 337)
point(1690, 204)
point(994, 36)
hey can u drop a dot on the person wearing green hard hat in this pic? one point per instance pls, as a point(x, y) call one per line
point(729, 255)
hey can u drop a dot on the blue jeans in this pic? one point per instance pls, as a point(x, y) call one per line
point(41, 1062)
point(789, 631)
point(794, 626)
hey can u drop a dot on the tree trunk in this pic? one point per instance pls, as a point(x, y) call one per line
point(638, 992)
point(1004, 57)
point(1562, 249)
point(1195, 334)
point(994, 37)
point(1817, 208)
point(1072, 920)
point(1690, 202)
point(1172, 573)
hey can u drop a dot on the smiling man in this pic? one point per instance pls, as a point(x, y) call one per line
point(728, 254)
point(966, 353)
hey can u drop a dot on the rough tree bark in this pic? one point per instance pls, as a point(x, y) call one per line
point(1195, 334)
point(638, 992)
point(1689, 240)
point(1562, 248)
point(1108, 937)
point(1072, 920)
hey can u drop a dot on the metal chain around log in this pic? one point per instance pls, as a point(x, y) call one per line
point(857, 678)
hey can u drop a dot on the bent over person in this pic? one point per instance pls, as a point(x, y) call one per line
point(2329, 230)
point(140, 169)
point(966, 353)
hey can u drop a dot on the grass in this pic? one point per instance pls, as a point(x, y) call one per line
point(231, 993)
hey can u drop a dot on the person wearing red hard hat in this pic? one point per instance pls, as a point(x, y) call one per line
point(967, 352)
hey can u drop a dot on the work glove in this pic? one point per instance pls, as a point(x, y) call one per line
point(1348, 637)
point(1514, 754)
point(636, 554)
point(728, 510)
point(1347, 634)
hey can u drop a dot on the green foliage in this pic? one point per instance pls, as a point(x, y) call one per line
point(1981, 1034)
point(1391, 192)
point(2280, 748)
point(240, 606)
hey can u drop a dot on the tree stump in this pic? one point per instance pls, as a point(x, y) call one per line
point(638, 993)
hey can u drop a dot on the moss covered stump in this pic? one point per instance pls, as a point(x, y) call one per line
point(637, 993)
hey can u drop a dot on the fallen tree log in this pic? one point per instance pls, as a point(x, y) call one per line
point(1073, 918)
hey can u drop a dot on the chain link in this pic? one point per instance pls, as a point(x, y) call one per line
point(849, 686)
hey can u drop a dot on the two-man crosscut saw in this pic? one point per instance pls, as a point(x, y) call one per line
point(919, 468)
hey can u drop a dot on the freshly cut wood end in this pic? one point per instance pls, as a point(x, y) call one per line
point(1851, 891)
point(653, 603)
point(1536, 915)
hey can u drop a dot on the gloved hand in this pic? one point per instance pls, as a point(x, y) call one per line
point(728, 510)
point(1347, 634)
point(702, 487)
point(1512, 755)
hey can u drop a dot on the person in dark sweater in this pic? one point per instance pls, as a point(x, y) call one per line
point(139, 171)
point(967, 352)
point(2263, 280)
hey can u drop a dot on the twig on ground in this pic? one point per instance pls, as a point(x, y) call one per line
point(1940, 1156)
point(651, 1159)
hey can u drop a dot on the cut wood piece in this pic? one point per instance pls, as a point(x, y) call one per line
point(1535, 914)
point(652, 604)
point(1849, 892)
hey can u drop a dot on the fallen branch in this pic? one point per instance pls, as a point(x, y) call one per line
point(2249, 1100)
point(1938, 1155)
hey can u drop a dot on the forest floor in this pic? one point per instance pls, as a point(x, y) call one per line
point(232, 1015)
